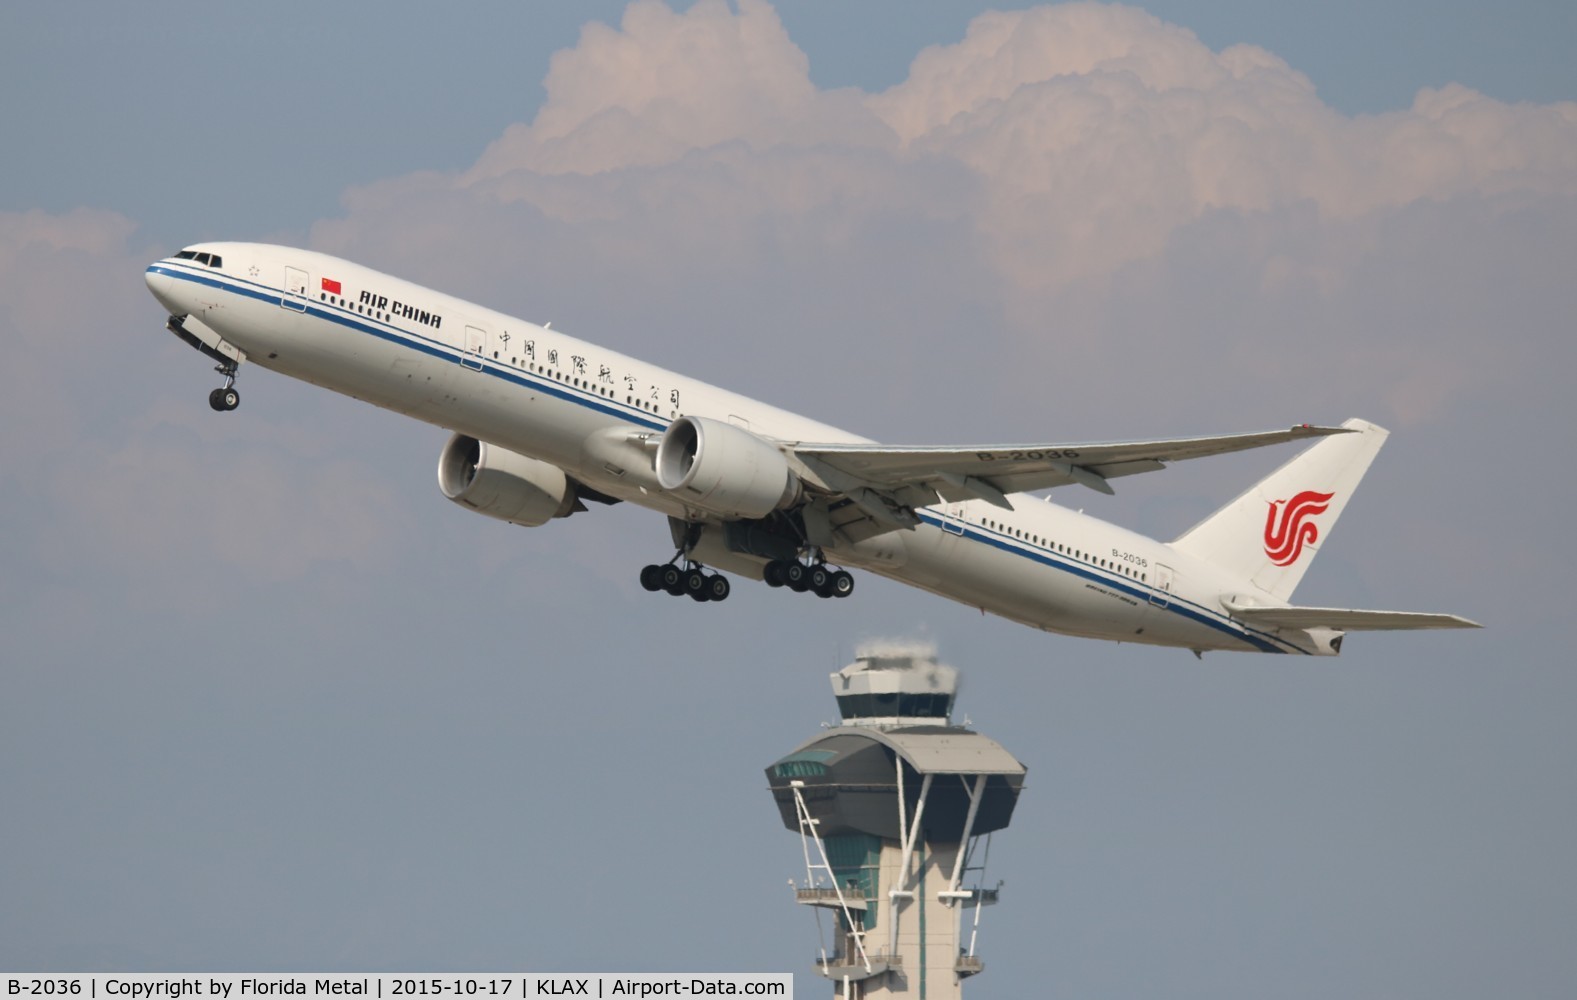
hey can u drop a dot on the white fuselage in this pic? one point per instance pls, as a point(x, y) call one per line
point(545, 394)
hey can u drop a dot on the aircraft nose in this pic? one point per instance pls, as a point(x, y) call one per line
point(162, 287)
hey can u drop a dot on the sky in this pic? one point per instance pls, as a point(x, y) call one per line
point(270, 703)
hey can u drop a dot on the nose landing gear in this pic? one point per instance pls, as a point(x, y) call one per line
point(225, 398)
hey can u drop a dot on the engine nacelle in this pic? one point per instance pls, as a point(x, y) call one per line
point(723, 469)
point(503, 484)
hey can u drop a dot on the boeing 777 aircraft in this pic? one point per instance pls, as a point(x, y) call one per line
point(544, 423)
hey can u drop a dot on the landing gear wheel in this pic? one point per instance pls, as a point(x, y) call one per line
point(225, 397)
point(671, 578)
point(841, 584)
point(797, 577)
point(773, 574)
point(717, 588)
point(695, 584)
point(652, 577)
point(820, 578)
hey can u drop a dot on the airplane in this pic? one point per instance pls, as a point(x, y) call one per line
point(543, 423)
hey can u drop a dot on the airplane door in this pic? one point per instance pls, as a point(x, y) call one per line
point(1161, 596)
point(954, 523)
point(295, 297)
point(951, 540)
point(475, 346)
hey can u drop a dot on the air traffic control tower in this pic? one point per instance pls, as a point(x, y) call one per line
point(895, 809)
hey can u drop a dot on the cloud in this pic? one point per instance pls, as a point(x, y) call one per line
point(87, 230)
point(103, 471)
point(1099, 131)
point(666, 83)
point(1060, 187)
point(194, 506)
point(56, 337)
point(1092, 132)
point(1089, 132)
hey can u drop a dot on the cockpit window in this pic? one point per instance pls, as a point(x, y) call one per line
point(211, 259)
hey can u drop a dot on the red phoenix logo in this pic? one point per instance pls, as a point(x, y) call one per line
point(1288, 528)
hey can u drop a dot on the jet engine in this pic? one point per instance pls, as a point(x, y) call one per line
point(500, 483)
point(724, 470)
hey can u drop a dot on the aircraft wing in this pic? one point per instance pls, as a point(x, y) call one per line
point(1346, 619)
point(919, 475)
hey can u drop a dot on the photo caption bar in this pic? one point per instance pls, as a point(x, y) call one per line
point(318, 986)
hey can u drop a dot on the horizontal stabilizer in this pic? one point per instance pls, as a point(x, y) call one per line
point(1345, 619)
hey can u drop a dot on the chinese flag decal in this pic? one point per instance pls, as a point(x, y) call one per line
point(331, 286)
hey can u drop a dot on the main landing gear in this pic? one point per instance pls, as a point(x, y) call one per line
point(817, 578)
point(226, 398)
point(682, 575)
point(693, 580)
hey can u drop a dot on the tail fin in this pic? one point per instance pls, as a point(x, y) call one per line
point(1271, 533)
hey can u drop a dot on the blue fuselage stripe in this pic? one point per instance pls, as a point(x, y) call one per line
point(404, 338)
point(1174, 604)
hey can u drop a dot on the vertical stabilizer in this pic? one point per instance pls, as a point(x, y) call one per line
point(1270, 534)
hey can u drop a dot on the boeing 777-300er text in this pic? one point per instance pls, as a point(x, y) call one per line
point(544, 422)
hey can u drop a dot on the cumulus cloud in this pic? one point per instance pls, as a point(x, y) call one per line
point(1098, 131)
point(1090, 132)
point(666, 83)
point(1061, 181)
